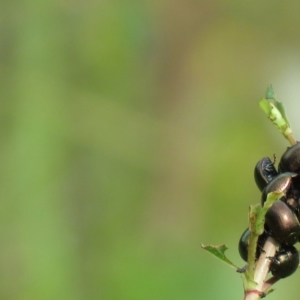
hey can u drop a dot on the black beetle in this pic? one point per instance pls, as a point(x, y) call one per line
point(282, 223)
point(244, 243)
point(290, 160)
point(264, 172)
point(285, 262)
point(292, 199)
point(279, 184)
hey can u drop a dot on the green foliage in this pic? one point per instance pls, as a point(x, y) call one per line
point(276, 113)
point(219, 252)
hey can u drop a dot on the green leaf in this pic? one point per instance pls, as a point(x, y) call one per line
point(280, 107)
point(270, 94)
point(219, 252)
point(277, 115)
point(271, 198)
point(266, 107)
point(273, 113)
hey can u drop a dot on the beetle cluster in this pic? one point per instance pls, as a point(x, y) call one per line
point(282, 220)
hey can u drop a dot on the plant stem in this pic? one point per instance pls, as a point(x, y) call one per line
point(262, 269)
point(263, 263)
point(291, 138)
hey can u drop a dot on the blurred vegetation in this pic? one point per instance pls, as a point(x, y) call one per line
point(129, 134)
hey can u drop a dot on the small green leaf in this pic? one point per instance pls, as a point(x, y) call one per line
point(270, 94)
point(273, 113)
point(266, 107)
point(280, 107)
point(271, 198)
point(276, 113)
point(219, 252)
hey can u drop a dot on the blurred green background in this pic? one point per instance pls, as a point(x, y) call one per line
point(129, 134)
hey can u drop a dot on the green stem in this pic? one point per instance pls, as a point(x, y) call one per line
point(275, 111)
point(251, 255)
point(291, 138)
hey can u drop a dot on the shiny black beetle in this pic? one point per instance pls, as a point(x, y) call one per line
point(285, 262)
point(279, 184)
point(264, 172)
point(244, 243)
point(282, 223)
point(290, 160)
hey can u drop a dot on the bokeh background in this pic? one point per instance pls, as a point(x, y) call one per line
point(129, 134)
